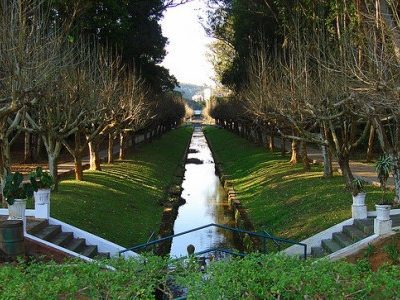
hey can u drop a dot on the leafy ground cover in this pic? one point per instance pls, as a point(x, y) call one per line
point(120, 203)
point(254, 277)
point(385, 251)
point(279, 197)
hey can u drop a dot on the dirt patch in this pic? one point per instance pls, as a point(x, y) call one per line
point(385, 251)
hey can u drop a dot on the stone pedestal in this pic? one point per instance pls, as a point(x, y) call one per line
point(42, 204)
point(382, 227)
point(359, 211)
point(42, 211)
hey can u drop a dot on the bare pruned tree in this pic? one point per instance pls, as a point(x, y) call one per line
point(28, 62)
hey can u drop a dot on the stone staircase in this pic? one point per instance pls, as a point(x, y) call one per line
point(54, 234)
point(348, 236)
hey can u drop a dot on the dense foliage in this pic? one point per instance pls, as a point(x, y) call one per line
point(74, 73)
point(131, 26)
point(254, 277)
point(324, 72)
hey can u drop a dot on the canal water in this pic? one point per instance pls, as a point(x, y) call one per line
point(206, 202)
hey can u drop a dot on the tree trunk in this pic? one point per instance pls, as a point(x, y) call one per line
point(344, 163)
point(304, 157)
point(259, 136)
point(271, 141)
point(53, 168)
point(78, 167)
point(122, 146)
point(5, 163)
point(236, 126)
point(110, 149)
point(94, 156)
point(27, 148)
point(396, 177)
point(370, 144)
point(38, 148)
point(283, 146)
point(134, 140)
point(328, 171)
point(53, 148)
point(77, 153)
point(295, 152)
point(5, 158)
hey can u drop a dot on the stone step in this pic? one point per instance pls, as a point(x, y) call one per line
point(102, 255)
point(76, 245)
point(61, 239)
point(317, 252)
point(395, 220)
point(354, 233)
point(35, 225)
point(342, 239)
point(365, 225)
point(89, 251)
point(330, 246)
point(48, 232)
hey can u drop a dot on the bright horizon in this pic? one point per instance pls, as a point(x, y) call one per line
point(188, 44)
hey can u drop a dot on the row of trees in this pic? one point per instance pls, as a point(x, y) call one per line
point(71, 91)
point(329, 74)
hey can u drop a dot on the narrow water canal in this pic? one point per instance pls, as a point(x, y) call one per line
point(206, 202)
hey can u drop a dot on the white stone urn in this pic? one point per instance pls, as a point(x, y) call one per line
point(16, 211)
point(359, 199)
point(42, 203)
point(383, 212)
point(382, 222)
point(42, 196)
point(359, 209)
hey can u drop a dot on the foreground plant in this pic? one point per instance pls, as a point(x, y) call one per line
point(14, 188)
point(383, 168)
point(41, 179)
point(253, 277)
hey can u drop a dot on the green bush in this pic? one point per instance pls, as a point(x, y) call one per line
point(254, 277)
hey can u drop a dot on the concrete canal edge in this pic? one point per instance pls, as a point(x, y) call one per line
point(241, 218)
point(171, 205)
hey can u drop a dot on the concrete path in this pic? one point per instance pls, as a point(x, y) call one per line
point(360, 169)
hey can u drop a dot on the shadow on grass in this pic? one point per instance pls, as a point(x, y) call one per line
point(120, 203)
point(279, 197)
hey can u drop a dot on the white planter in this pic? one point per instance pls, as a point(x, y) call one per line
point(383, 212)
point(359, 209)
point(42, 204)
point(42, 196)
point(17, 210)
point(359, 199)
point(382, 222)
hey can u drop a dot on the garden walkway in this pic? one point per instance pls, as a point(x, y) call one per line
point(361, 169)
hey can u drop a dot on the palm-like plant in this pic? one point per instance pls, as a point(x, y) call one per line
point(383, 168)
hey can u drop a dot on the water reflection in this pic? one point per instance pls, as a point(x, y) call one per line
point(206, 202)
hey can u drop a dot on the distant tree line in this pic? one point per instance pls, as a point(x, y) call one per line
point(74, 73)
point(320, 72)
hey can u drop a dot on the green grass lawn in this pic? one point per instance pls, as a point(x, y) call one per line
point(120, 202)
point(279, 197)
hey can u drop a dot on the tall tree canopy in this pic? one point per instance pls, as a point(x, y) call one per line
point(131, 26)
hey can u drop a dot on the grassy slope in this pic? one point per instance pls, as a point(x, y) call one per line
point(120, 202)
point(279, 197)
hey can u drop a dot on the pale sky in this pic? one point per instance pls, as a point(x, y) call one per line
point(187, 48)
